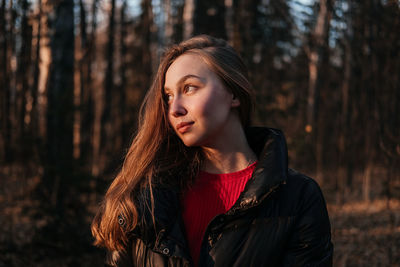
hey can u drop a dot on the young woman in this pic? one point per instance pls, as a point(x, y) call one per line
point(199, 186)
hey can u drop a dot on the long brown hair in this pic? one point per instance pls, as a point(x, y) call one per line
point(156, 150)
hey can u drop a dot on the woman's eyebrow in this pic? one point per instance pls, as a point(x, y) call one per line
point(183, 79)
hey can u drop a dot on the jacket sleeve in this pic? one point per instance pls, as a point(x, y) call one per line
point(310, 244)
point(120, 258)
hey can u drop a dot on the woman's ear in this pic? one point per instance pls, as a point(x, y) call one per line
point(235, 101)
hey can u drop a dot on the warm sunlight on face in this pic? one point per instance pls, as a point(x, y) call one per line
point(200, 107)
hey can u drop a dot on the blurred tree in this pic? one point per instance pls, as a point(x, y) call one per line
point(209, 18)
point(85, 105)
point(5, 118)
point(318, 54)
point(22, 84)
point(107, 138)
point(345, 162)
point(145, 33)
point(59, 164)
point(95, 136)
point(168, 22)
point(188, 14)
point(33, 127)
point(178, 21)
point(122, 87)
point(173, 22)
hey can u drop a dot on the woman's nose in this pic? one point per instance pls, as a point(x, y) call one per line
point(176, 107)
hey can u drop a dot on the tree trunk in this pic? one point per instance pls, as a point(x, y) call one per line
point(22, 84)
point(44, 69)
point(209, 18)
point(178, 23)
point(371, 87)
point(81, 78)
point(107, 132)
point(244, 39)
point(342, 179)
point(78, 77)
point(5, 133)
point(60, 103)
point(11, 122)
point(318, 54)
point(312, 90)
point(34, 125)
point(169, 27)
point(188, 13)
point(229, 21)
point(92, 115)
point(124, 132)
point(146, 36)
point(318, 43)
point(367, 180)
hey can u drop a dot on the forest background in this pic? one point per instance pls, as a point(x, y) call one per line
point(73, 75)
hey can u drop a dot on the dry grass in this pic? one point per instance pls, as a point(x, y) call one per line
point(366, 234)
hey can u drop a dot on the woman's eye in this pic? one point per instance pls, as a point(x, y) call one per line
point(168, 98)
point(189, 88)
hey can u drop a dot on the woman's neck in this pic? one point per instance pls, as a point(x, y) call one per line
point(233, 155)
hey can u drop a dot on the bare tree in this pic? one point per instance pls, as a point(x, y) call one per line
point(60, 102)
point(96, 136)
point(344, 169)
point(22, 81)
point(146, 35)
point(188, 12)
point(209, 18)
point(318, 54)
point(44, 67)
point(169, 22)
point(229, 20)
point(123, 48)
point(33, 129)
point(5, 136)
point(107, 132)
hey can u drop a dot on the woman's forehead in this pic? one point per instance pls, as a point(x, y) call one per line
point(185, 65)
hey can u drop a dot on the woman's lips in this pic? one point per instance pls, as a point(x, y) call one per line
point(183, 127)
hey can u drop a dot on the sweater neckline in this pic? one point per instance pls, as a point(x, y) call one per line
point(207, 177)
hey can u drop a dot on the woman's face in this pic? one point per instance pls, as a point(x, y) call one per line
point(199, 106)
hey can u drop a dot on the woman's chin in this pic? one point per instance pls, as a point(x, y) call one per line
point(189, 141)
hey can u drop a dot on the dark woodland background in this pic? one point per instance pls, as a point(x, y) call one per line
point(73, 74)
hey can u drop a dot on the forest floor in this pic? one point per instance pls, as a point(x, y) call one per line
point(364, 234)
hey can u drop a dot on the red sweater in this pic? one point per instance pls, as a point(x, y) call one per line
point(212, 194)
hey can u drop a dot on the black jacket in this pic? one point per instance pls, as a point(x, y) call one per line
point(280, 219)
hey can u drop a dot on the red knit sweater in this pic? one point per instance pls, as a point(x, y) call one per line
point(212, 194)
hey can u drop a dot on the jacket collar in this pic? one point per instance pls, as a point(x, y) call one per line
point(270, 171)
